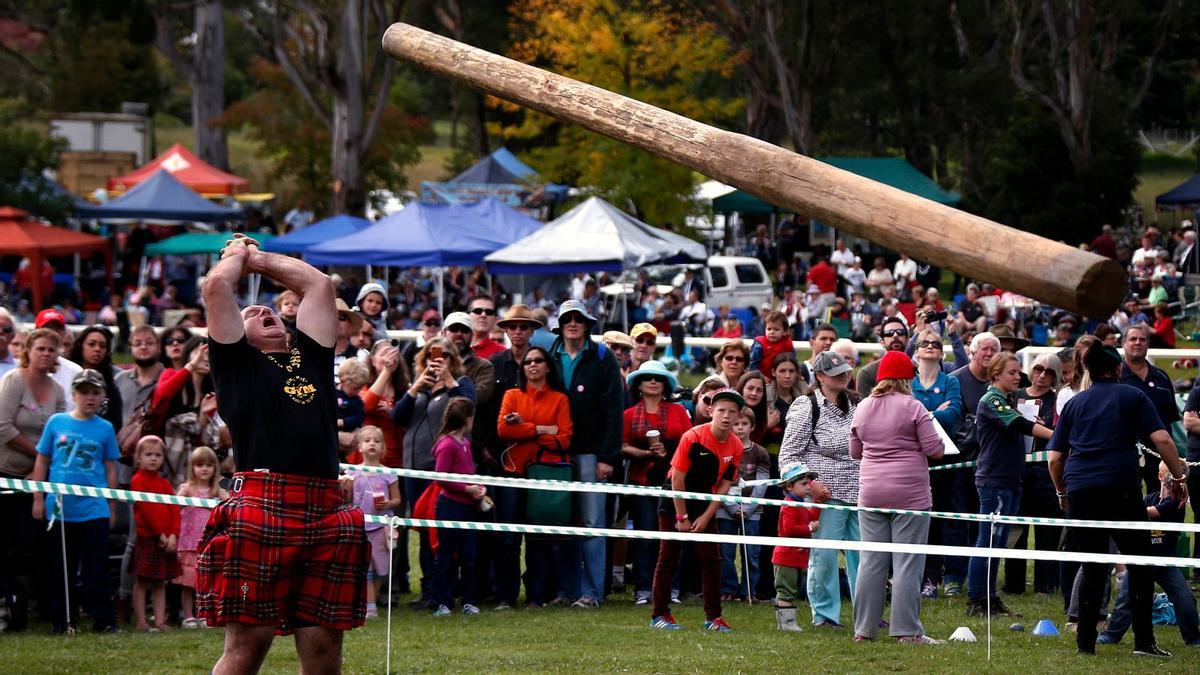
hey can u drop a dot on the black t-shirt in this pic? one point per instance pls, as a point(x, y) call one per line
point(281, 408)
point(1193, 440)
point(1157, 386)
point(971, 311)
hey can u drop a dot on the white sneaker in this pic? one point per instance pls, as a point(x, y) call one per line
point(470, 610)
point(442, 610)
point(191, 624)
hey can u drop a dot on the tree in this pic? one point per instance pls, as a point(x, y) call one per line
point(330, 52)
point(298, 142)
point(204, 71)
point(649, 50)
point(26, 150)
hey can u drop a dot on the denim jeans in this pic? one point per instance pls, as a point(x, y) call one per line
point(551, 569)
point(731, 583)
point(643, 510)
point(1177, 590)
point(1037, 500)
point(824, 583)
point(592, 550)
point(991, 500)
point(454, 564)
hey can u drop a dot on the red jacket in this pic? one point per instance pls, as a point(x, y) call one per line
point(794, 522)
point(763, 358)
point(154, 519)
point(824, 276)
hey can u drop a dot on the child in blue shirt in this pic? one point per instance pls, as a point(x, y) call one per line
point(79, 448)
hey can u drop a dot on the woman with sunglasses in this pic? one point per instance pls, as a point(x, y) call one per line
point(648, 453)
point(535, 421)
point(731, 362)
point(941, 395)
point(93, 349)
point(1038, 498)
point(173, 341)
point(188, 394)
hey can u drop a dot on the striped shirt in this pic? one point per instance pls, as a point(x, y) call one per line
point(827, 451)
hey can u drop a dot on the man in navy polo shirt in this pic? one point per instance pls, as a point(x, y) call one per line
point(1094, 469)
point(1136, 371)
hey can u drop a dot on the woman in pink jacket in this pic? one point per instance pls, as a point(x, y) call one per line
point(894, 436)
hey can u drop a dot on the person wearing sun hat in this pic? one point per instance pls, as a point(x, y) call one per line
point(621, 345)
point(706, 460)
point(790, 561)
point(894, 436)
point(591, 377)
point(648, 454)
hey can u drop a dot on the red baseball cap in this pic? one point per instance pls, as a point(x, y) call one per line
point(50, 316)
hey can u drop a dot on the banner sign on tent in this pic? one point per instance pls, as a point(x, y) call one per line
point(511, 195)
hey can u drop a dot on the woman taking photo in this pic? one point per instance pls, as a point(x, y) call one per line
point(93, 349)
point(1037, 491)
point(188, 394)
point(389, 377)
point(535, 420)
point(893, 435)
point(1001, 431)
point(28, 397)
point(651, 432)
point(825, 448)
point(420, 410)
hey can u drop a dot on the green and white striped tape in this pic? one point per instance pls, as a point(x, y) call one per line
point(607, 488)
point(548, 530)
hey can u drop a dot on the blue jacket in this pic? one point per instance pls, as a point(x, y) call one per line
point(945, 388)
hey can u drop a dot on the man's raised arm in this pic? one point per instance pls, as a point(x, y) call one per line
point(317, 316)
point(220, 293)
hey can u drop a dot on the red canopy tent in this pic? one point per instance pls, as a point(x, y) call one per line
point(188, 169)
point(23, 236)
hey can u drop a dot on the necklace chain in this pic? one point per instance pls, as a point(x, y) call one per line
point(293, 360)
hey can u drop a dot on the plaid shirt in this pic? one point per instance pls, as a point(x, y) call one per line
point(827, 450)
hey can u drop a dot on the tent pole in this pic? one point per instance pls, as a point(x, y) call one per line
point(142, 272)
point(624, 310)
point(441, 292)
point(369, 271)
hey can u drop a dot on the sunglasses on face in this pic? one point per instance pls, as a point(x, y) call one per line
point(659, 380)
point(931, 344)
point(733, 357)
point(1042, 370)
point(573, 318)
point(895, 332)
point(457, 328)
point(519, 326)
point(433, 324)
point(486, 311)
point(620, 348)
point(533, 361)
point(175, 341)
point(7, 330)
point(648, 341)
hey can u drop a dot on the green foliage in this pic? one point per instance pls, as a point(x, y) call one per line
point(298, 144)
point(25, 151)
point(648, 50)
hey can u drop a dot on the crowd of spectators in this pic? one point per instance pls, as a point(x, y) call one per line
point(498, 388)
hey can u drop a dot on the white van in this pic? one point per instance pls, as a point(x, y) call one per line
point(739, 282)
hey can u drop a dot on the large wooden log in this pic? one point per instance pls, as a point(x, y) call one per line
point(1046, 270)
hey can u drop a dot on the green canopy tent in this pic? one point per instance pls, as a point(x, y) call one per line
point(894, 171)
point(197, 243)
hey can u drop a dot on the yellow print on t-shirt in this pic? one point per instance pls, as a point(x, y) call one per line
point(299, 389)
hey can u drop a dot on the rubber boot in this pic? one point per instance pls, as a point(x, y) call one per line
point(785, 619)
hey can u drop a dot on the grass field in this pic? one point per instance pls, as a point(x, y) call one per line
point(616, 638)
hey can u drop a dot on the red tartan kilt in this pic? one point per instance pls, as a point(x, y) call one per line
point(151, 561)
point(284, 551)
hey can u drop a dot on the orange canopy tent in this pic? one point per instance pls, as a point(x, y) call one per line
point(188, 169)
point(23, 236)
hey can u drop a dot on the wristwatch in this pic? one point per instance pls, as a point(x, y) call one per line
point(679, 518)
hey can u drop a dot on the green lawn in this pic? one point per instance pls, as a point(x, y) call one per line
point(614, 638)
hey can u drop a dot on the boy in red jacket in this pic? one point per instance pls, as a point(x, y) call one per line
point(794, 521)
point(776, 341)
point(154, 560)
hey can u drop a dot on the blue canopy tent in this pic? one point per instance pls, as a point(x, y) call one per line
point(499, 175)
point(326, 230)
point(161, 197)
point(429, 235)
point(1186, 195)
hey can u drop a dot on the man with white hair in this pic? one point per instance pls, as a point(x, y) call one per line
point(1185, 253)
point(974, 376)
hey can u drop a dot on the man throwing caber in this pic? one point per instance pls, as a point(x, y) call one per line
point(285, 554)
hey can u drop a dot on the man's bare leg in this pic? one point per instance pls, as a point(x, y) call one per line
point(320, 650)
point(246, 648)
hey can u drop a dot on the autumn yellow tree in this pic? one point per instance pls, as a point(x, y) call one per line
point(650, 50)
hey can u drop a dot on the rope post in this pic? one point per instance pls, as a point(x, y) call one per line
point(391, 531)
point(987, 579)
point(62, 528)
